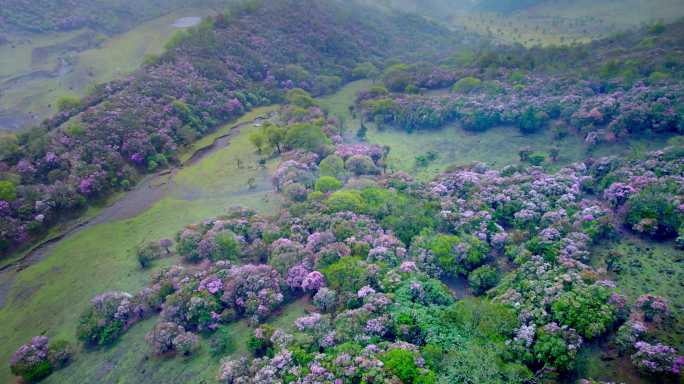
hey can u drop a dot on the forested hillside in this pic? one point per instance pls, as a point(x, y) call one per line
point(226, 66)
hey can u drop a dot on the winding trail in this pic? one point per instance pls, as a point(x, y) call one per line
point(144, 195)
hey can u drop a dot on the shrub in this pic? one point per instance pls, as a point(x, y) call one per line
point(426, 292)
point(587, 310)
point(344, 200)
point(187, 245)
point(332, 166)
point(402, 364)
point(325, 299)
point(557, 347)
point(482, 279)
point(458, 254)
point(627, 336)
point(397, 77)
point(327, 184)
point(300, 98)
point(227, 246)
point(295, 192)
point(8, 191)
point(59, 354)
point(259, 140)
point(537, 158)
point(361, 165)
point(167, 337)
point(66, 103)
point(107, 317)
point(365, 71)
point(259, 344)
point(466, 85)
point(148, 252)
point(31, 361)
point(658, 359)
point(532, 120)
point(423, 161)
point(654, 211)
point(346, 275)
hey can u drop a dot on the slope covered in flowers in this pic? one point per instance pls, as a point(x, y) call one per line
point(370, 252)
point(226, 66)
point(626, 85)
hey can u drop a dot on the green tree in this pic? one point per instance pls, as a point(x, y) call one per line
point(327, 184)
point(402, 364)
point(227, 246)
point(8, 190)
point(308, 137)
point(275, 136)
point(365, 71)
point(300, 98)
point(333, 166)
point(66, 103)
point(259, 140)
point(466, 85)
point(482, 279)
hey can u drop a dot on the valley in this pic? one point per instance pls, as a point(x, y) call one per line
point(320, 191)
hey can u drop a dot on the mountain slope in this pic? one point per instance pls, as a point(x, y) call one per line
point(215, 73)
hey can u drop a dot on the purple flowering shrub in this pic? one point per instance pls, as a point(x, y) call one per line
point(108, 316)
point(653, 309)
point(37, 359)
point(166, 338)
point(235, 237)
point(657, 359)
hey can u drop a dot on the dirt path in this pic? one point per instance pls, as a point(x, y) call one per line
point(145, 194)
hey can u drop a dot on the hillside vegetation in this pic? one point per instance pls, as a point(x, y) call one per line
point(318, 191)
point(214, 73)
